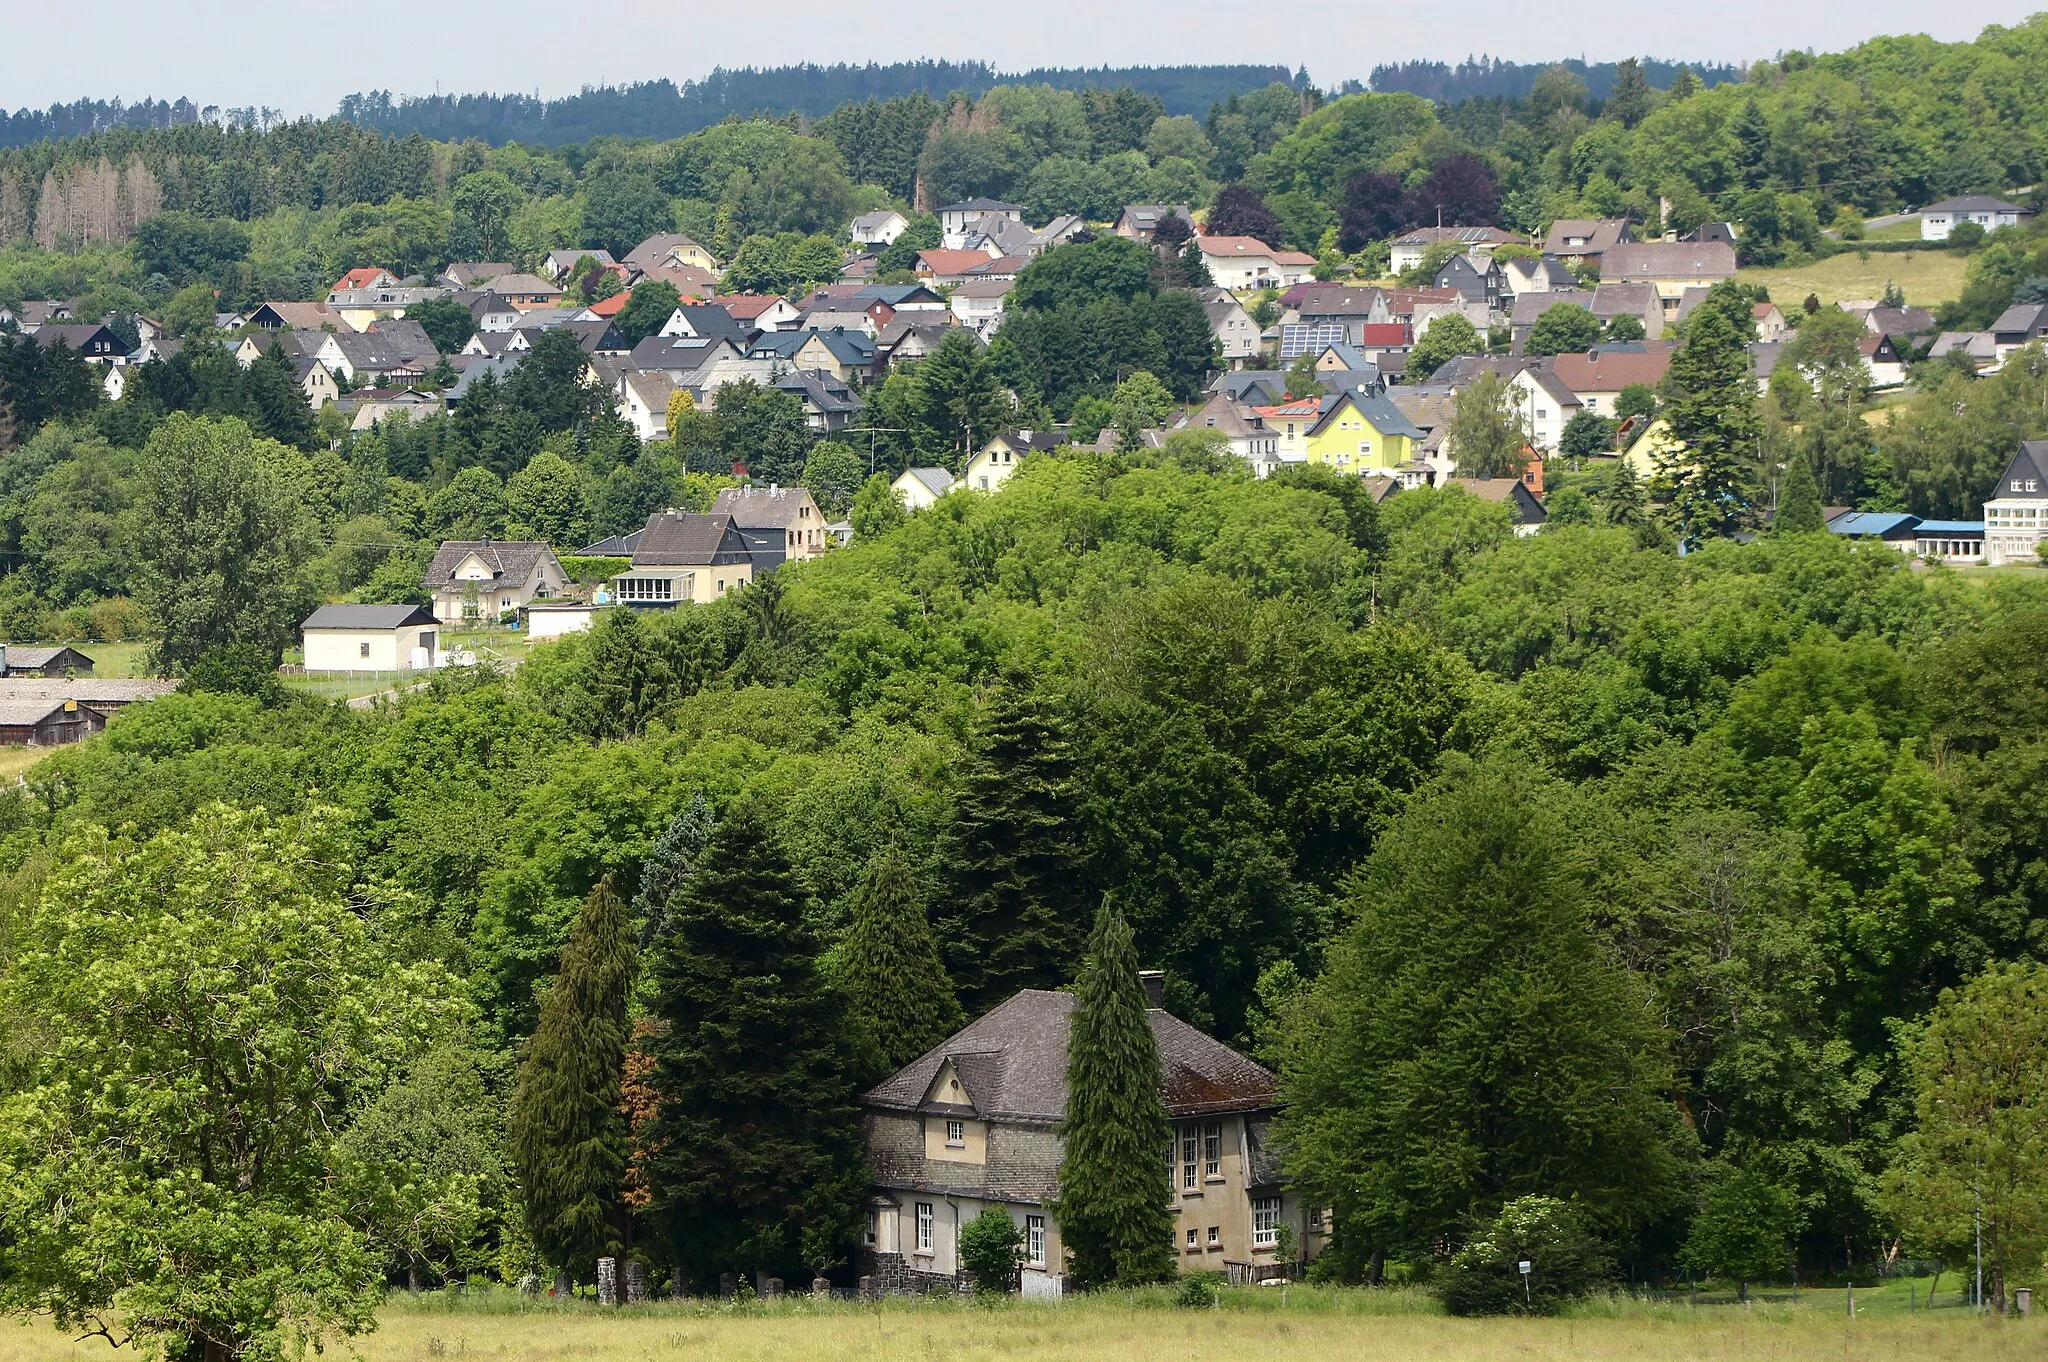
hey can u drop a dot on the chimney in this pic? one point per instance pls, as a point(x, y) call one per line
point(1155, 986)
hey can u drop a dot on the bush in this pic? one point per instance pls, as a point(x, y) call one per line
point(1197, 1292)
point(593, 567)
point(991, 1246)
point(1485, 1278)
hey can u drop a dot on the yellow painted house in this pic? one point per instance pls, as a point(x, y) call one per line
point(1353, 432)
point(1646, 452)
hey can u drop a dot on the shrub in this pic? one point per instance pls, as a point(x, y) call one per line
point(991, 1246)
point(1197, 1292)
point(1485, 1278)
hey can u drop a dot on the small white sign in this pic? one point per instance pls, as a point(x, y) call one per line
point(1526, 1265)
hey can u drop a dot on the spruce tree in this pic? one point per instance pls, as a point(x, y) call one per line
point(756, 1162)
point(1798, 500)
point(888, 966)
point(1713, 412)
point(668, 863)
point(567, 1137)
point(1114, 1202)
point(1017, 916)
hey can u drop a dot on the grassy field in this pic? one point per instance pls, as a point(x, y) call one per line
point(1928, 277)
point(1301, 1322)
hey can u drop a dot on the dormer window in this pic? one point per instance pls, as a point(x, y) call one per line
point(956, 1134)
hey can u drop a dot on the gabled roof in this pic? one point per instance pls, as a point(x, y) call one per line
point(946, 264)
point(1382, 415)
point(1668, 260)
point(937, 481)
point(746, 307)
point(651, 252)
point(1513, 491)
point(368, 617)
point(676, 352)
point(510, 560)
point(296, 316)
point(363, 276)
point(76, 335)
point(1603, 370)
point(714, 322)
point(847, 347)
point(1341, 302)
point(681, 539)
point(1600, 235)
point(982, 206)
point(1246, 246)
point(754, 508)
point(2029, 465)
point(1012, 1063)
point(1974, 203)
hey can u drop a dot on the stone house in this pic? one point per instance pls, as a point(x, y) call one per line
point(974, 1125)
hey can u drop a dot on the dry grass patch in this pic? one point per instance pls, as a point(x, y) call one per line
point(1928, 277)
point(1356, 1326)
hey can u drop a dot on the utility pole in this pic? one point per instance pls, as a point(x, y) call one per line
point(1979, 1218)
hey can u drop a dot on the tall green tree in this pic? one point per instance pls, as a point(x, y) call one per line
point(653, 302)
point(1799, 510)
point(756, 1158)
point(1115, 1202)
point(221, 535)
point(962, 398)
point(567, 1138)
point(1016, 902)
point(209, 1007)
point(1471, 1040)
point(1486, 433)
point(1448, 336)
point(1712, 407)
point(1564, 328)
point(888, 964)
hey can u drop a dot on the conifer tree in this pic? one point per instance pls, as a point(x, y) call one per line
point(1017, 917)
point(756, 1159)
point(1798, 500)
point(888, 966)
point(567, 1137)
point(1713, 413)
point(668, 863)
point(1114, 1201)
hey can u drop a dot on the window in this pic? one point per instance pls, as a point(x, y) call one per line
point(1187, 1159)
point(1265, 1222)
point(363, 649)
point(645, 588)
point(1193, 1242)
point(1034, 1240)
point(1212, 1150)
point(924, 1227)
point(956, 1134)
point(1215, 1236)
point(1315, 1220)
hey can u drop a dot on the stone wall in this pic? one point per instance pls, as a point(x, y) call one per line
point(890, 1274)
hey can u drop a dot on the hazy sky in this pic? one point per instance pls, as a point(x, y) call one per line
point(303, 58)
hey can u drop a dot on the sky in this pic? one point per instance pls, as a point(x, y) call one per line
point(302, 59)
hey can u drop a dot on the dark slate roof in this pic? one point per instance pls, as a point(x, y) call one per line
point(982, 206)
point(615, 546)
point(855, 348)
point(1262, 387)
point(1013, 1062)
point(510, 559)
point(763, 507)
point(2027, 465)
point(821, 390)
point(707, 319)
point(895, 295)
point(681, 539)
point(1973, 203)
point(676, 352)
point(367, 617)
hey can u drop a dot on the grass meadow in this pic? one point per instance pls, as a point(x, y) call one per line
point(1928, 277)
point(1304, 1322)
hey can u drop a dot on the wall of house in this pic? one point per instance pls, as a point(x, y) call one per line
point(365, 650)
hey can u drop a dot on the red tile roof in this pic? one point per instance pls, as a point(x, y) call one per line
point(363, 276)
point(1386, 333)
point(614, 305)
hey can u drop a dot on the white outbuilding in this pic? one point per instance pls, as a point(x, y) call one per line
point(371, 638)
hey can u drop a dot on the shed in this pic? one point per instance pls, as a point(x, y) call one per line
point(371, 638)
point(46, 722)
point(19, 660)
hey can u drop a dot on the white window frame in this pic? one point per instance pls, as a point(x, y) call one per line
point(1212, 1150)
point(927, 1223)
point(956, 1134)
point(1190, 1150)
point(1265, 1222)
point(1034, 1240)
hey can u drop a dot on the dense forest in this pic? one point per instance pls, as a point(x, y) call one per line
point(1492, 78)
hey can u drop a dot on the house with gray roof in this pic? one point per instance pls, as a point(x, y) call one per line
point(779, 523)
point(485, 579)
point(1937, 220)
point(974, 1125)
point(370, 638)
point(684, 557)
point(918, 488)
point(2016, 516)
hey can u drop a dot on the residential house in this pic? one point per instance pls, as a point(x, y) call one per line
point(1477, 277)
point(1408, 248)
point(1230, 324)
point(684, 557)
point(669, 250)
point(900, 297)
point(1140, 221)
point(1058, 232)
point(1361, 433)
point(1348, 310)
point(369, 407)
point(689, 281)
point(1673, 266)
point(1882, 360)
point(1598, 377)
point(315, 381)
point(526, 291)
point(2019, 325)
point(978, 303)
point(474, 274)
point(1979, 347)
point(1937, 220)
point(1420, 306)
point(1907, 326)
point(89, 339)
point(1249, 436)
point(1546, 404)
point(974, 1126)
point(365, 276)
point(1638, 300)
point(558, 264)
point(706, 322)
point(908, 337)
point(1000, 234)
point(830, 406)
point(780, 524)
point(918, 488)
point(758, 311)
point(1770, 323)
point(370, 638)
point(1576, 239)
point(1545, 274)
point(284, 316)
point(1529, 308)
point(1243, 262)
point(1525, 505)
point(992, 464)
point(956, 218)
point(34, 314)
point(472, 580)
point(945, 268)
point(643, 398)
point(363, 308)
point(492, 312)
point(843, 354)
point(2016, 516)
point(879, 228)
point(394, 351)
point(839, 321)
point(1001, 267)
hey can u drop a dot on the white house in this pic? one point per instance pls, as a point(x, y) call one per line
point(2016, 517)
point(1408, 249)
point(993, 464)
point(879, 228)
point(1937, 220)
point(1242, 262)
point(1230, 324)
point(918, 488)
point(370, 638)
point(956, 218)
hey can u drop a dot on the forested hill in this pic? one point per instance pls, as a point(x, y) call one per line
point(1492, 78)
point(658, 109)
